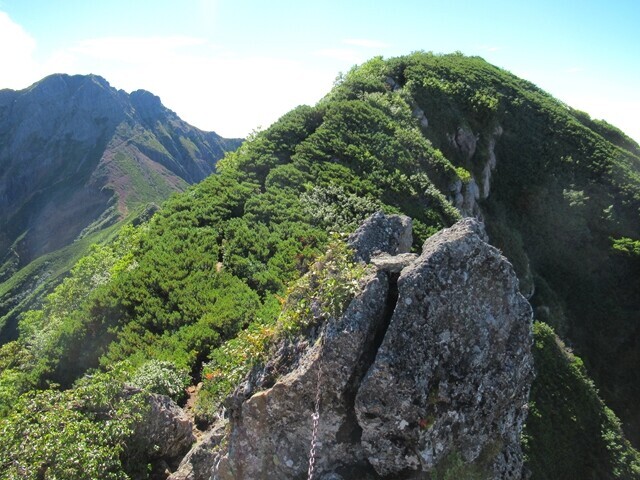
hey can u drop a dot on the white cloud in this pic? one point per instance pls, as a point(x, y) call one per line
point(16, 55)
point(366, 43)
point(234, 95)
point(618, 110)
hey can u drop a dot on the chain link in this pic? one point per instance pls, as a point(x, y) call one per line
point(316, 420)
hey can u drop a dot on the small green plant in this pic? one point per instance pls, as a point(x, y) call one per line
point(626, 246)
point(229, 364)
point(464, 174)
point(324, 291)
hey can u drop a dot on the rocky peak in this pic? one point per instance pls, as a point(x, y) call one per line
point(426, 368)
point(60, 107)
point(61, 83)
point(147, 104)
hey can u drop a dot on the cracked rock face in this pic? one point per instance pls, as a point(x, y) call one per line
point(271, 433)
point(425, 365)
point(200, 459)
point(452, 375)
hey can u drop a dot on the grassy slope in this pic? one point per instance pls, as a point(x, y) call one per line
point(570, 433)
point(133, 180)
point(25, 289)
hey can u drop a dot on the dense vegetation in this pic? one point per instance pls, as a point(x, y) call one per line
point(198, 288)
point(590, 443)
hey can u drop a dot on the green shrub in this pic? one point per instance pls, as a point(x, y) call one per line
point(79, 433)
point(570, 433)
point(323, 292)
point(162, 377)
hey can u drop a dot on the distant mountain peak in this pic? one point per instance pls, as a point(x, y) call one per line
point(145, 96)
point(147, 104)
point(72, 147)
point(62, 82)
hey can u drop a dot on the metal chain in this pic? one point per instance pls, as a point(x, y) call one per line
point(316, 420)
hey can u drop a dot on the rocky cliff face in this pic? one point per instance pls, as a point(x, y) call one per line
point(427, 371)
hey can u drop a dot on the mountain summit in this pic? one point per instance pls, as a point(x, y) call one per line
point(77, 155)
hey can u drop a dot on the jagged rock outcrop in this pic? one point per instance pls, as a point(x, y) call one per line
point(381, 233)
point(271, 432)
point(452, 375)
point(490, 165)
point(200, 460)
point(470, 197)
point(465, 142)
point(424, 366)
point(465, 195)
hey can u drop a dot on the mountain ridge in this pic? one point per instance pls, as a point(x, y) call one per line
point(231, 274)
point(78, 156)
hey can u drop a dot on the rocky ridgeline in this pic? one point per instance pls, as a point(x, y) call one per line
point(427, 370)
point(464, 195)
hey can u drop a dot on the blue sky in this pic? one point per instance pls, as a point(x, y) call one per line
point(231, 66)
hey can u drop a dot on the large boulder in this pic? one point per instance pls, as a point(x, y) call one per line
point(426, 368)
point(452, 375)
point(381, 233)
